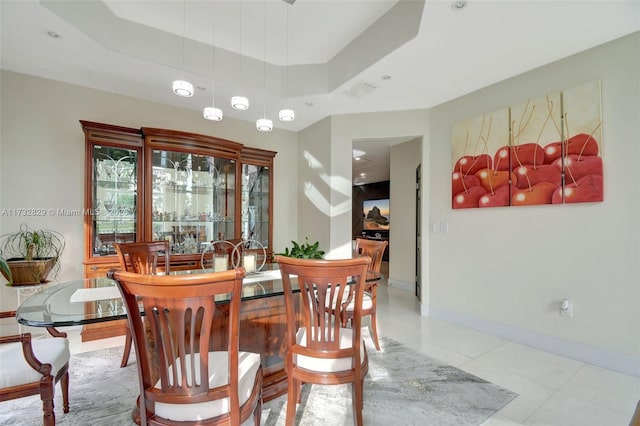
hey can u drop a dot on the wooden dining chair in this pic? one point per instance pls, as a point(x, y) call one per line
point(319, 350)
point(375, 250)
point(187, 374)
point(142, 258)
point(33, 367)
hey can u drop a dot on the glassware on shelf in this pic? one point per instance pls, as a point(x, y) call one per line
point(109, 204)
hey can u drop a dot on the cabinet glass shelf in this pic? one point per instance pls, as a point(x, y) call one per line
point(192, 194)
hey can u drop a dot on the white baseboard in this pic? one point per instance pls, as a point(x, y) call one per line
point(579, 351)
point(401, 285)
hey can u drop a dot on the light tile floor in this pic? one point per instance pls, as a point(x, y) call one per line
point(553, 390)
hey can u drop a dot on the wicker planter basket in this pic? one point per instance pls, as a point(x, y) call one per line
point(30, 272)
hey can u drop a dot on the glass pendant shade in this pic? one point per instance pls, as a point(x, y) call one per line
point(287, 115)
point(240, 102)
point(212, 113)
point(264, 125)
point(183, 88)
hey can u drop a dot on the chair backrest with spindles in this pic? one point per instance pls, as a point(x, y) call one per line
point(173, 349)
point(372, 248)
point(144, 257)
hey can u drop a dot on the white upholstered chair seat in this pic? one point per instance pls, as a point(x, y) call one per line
point(367, 303)
point(327, 365)
point(248, 364)
point(16, 371)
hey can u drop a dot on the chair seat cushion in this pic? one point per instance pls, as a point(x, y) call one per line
point(367, 303)
point(16, 371)
point(327, 365)
point(248, 365)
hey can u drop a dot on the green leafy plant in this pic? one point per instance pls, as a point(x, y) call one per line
point(31, 255)
point(305, 250)
point(4, 269)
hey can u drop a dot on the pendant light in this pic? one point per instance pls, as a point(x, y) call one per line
point(182, 87)
point(264, 124)
point(286, 114)
point(212, 113)
point(240, 102)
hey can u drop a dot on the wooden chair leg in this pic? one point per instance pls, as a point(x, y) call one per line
point(64, 386)
point(357, 402)
point(291, 401)
point(374, 329)
point(46, 395)
point(127, 348)
point(257, 414)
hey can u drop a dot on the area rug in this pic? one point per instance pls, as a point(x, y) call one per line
point(403, 387)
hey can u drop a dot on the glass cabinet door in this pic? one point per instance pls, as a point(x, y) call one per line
point(255, 203)
point(114, 214)
point(193, 200)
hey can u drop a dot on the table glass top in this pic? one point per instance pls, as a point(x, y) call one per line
point(95, 300)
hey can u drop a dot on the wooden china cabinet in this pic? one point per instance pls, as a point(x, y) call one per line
point(155, 184)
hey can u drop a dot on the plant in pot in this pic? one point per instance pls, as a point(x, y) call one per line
point(31, 255)
point(4, 269)
point(305, 250)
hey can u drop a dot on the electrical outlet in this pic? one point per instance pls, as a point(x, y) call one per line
point(566, 308)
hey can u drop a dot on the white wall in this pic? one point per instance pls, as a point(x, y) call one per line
point(390, 124)
point(314, 186)
point(403, 159)
point(505, 270)
point(42, 155)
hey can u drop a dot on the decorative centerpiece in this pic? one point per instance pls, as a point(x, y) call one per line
point(224, 254)
point(31, 255)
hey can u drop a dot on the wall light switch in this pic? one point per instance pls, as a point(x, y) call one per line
point(444, 227)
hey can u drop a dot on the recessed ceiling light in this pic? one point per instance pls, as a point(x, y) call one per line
point(459, 4)
point(357, 158)
point(53, 34)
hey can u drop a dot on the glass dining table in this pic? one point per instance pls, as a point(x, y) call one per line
point(262, 319)
point(95, 300)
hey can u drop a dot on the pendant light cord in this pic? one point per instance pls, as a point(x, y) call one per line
point(184, 31)
point(241, 68)
point(286, 50)
point(264, 106)
point(213, 55)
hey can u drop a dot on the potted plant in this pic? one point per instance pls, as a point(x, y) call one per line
point(31, 255)
point(305, 250)
point(4, 269)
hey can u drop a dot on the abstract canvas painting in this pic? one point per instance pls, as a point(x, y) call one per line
point(545, 150)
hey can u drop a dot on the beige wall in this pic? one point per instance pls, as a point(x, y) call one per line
point(314, 185)
point(392, 124)
point(404, 158)
point(505, 270)
point(42, 155)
